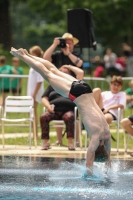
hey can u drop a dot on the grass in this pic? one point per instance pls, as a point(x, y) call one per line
point(25, 141)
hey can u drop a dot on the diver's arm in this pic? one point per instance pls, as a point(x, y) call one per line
point(107, 145)
point(94, 143)
point(77, 71)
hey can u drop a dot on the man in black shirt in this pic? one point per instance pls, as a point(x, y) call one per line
point(67, 55)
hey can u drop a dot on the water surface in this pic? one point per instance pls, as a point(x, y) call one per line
point(37, 178)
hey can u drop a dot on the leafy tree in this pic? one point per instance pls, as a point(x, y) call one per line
point(29, 28)
point(5, 31)
point(113, 19)
point(33, 21)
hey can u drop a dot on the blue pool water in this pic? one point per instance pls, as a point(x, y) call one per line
point(37, 178)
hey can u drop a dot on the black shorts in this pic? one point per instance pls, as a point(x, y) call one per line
point(5, 90)
point(78, 88)
point(114, 117)
point(15, 91)
point(131, 118)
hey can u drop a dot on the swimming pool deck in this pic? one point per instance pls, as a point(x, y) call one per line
point(54, 151)
point(11, 150)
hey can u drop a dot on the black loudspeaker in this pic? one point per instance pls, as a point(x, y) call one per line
point(80, 25)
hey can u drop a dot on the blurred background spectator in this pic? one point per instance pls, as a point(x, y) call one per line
point(16, 83)
point(5, 83)
point(129, 95)
point(99, 67)
point(120, 66)
point(35, 86)
point(110, 60)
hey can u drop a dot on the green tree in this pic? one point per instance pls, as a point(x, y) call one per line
point(29, 28)
point(33, 21)
point(5, 29)
point(113, 19)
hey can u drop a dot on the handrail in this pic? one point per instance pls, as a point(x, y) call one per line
point(13, 76)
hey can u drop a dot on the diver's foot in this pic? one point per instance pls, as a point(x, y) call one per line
point(25, 51)
point(17, 52)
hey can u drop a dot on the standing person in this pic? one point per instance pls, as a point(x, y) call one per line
point(110, 61)
point(5, 83)
point(81, 94)
point(16, 82)
point(35, 83)
point(65, 56)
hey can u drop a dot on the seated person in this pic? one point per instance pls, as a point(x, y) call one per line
point(129, 95)
point(59, 108)
point(127, 126)
point(110, 101)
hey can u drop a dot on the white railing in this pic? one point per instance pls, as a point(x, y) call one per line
point(97, 82)
point(2, 76)
point(102, 83)
point(93, 81)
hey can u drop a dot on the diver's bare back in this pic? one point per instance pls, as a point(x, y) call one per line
point(92, 117)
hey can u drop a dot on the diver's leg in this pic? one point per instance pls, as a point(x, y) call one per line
point(61, 85)
point(51, 67)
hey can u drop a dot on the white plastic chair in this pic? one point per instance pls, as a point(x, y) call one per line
point(19, 104)
point(117, 122)
point(79, 121)
point(129, 137)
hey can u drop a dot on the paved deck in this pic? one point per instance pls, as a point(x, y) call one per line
point(11, 150)
point(54, 151)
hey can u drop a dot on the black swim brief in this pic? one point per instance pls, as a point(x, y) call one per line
point(131, 118)
point(78, 88)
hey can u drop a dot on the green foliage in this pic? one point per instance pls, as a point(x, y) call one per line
point(112, 23)
point(37, 22)
point(3, 51)
point(30, 28)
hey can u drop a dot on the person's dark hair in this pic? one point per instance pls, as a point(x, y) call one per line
point(101, 154)
point(117, 79)
point(2, 59)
